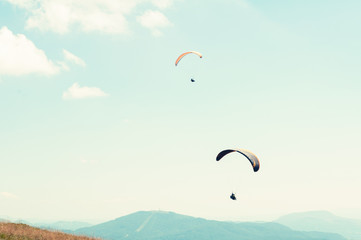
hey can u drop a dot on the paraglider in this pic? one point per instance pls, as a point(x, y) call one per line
point(249, 155)
point(186, 53)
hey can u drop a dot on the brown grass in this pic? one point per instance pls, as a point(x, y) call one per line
point(15, 231)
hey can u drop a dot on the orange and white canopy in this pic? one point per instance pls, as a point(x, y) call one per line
point(186, 53)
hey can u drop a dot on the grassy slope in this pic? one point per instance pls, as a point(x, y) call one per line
point(16, 231)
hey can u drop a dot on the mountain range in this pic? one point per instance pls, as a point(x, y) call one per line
point(160, 225)
point(323, 221)
point(152, 225)
point(66, 226)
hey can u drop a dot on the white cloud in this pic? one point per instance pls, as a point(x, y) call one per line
point(19, 56)
point(8, 195)
point(24, 3)
point(107, 16)
point(88, 161)
point(162, 4)
point(89, 15)
point(154, 20)
point(63, 65)
point(73, 59)
point(77, 92)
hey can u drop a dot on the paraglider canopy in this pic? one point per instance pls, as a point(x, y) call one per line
point(186, 53)
point(249, 155)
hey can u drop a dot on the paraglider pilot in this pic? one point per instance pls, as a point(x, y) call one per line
point(233, 197)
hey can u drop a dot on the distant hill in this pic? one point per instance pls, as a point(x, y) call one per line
point(323, 221)
point(63, 225)
point(3, 220)
point(157, 225)
point(19, 231)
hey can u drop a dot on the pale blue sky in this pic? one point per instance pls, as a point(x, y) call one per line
point(280, 79)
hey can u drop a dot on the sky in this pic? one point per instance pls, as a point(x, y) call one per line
point(97, 122)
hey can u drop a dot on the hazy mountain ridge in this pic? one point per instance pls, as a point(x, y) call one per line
point(63, 225)
point(323, 221)
point(168, 225)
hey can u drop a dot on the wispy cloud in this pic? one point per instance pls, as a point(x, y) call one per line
point(73, 59)
point(162, 4)
point(24, 3)
point(77, 92)
point(90, 15)
point(154, 20)
point(19, 56)
point(107, 16)
point(8, 195)
point(87, 161)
